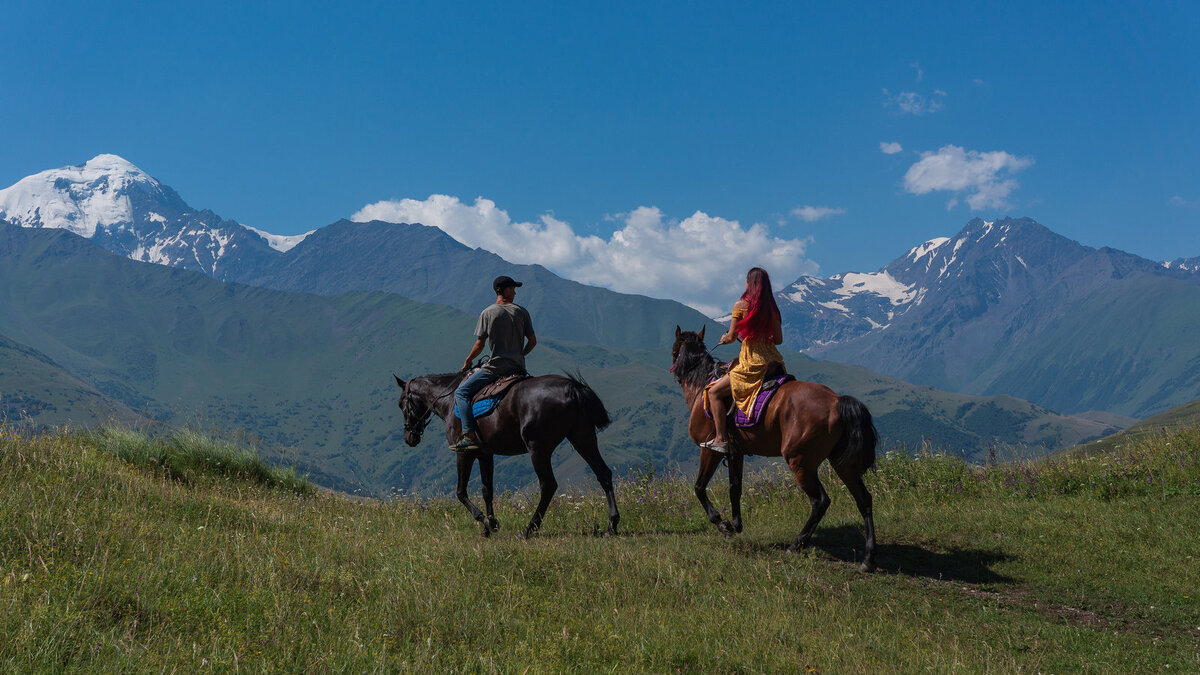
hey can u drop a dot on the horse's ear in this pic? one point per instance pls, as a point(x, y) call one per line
point(677, 332)
point(701, 333)
point(399, 381)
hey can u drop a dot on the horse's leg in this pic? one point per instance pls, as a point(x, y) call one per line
point(852, 477)
point(466, 460)
point(736, 467)
point(487, 465)
point(709, 461)
point(540, 453)
point(584, 443)
point(817, 497)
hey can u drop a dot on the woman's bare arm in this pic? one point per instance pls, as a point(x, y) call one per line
point(731, 334)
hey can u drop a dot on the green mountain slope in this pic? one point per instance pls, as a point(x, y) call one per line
point(1180, 417)
point(1122, 346)
point(426, 264)
point(34, 390)
point(310, 376)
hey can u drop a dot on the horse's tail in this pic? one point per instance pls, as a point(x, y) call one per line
point(585, 398)
point(856, 447)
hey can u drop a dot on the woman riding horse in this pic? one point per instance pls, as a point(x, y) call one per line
point(805, 423)
point(756, 322)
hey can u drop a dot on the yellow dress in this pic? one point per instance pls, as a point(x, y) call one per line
point(745, 379)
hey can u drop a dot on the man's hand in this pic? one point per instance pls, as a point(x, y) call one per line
point(476, 350)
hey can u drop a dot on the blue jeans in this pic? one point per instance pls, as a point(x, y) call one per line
point(467, 390)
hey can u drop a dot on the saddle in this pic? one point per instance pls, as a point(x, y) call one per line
point(486, 399)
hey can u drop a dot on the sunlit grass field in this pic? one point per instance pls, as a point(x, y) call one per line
point(121, 552)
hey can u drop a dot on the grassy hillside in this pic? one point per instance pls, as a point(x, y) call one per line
point(1078, 564)
point(1175, 419)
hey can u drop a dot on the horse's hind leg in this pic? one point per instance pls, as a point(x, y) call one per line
point(709, 461)
point(736, 469)
point(487, 466)
point(818, 498)
point(852, 477)
point(585, 444)
point(466, 460)
point(545, 473)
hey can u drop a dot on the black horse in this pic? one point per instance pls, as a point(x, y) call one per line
point(534, 416)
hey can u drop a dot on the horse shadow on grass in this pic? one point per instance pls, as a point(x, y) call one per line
point(844, 542)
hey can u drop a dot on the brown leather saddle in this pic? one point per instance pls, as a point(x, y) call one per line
point(500, 387)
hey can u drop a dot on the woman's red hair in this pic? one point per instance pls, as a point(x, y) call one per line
point(758, 322)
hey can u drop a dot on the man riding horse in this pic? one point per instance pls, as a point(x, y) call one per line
point(534, 416)
point(508, 326)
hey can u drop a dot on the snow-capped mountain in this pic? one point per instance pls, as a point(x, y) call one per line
point(125, 210)
point(986, 262)
point(1010, 307)
point(1189, 264)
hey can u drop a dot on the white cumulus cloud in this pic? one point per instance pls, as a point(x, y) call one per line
point(983, 177)
point(811, 214)
point(889, 148)
point(700, 261)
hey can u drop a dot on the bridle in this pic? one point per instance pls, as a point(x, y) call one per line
point(417, 426)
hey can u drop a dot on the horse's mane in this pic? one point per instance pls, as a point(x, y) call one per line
point(694, 365)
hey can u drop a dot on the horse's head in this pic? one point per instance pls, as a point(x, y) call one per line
point(692, 341)
point(690, 359)
point(415, 410)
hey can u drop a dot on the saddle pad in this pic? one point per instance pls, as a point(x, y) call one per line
point(479, 408)
point(769, 387)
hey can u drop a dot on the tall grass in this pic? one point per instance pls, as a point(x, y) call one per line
point(114, 558)
point(187, 455)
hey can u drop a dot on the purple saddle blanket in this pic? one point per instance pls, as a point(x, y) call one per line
point(769, 387)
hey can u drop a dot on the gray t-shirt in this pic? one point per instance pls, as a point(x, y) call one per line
point(505, 327)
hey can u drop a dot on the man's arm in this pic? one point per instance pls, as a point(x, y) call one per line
point(530, 336)
point(476, 350)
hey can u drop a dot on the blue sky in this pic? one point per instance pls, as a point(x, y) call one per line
point(288, 116)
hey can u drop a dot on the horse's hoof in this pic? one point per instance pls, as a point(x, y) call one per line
point(867, 566)
point(726, 528)
point(525, 534)
point(610, 532)
point(492, 524)
point(485, 533)
point(795, 548)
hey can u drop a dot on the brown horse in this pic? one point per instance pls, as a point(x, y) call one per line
point(805, 423)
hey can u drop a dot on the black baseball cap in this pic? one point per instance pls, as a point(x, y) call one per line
point(503, 282)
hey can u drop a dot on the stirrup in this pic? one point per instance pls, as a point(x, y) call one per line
point(465, 444)
point(722, 448)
